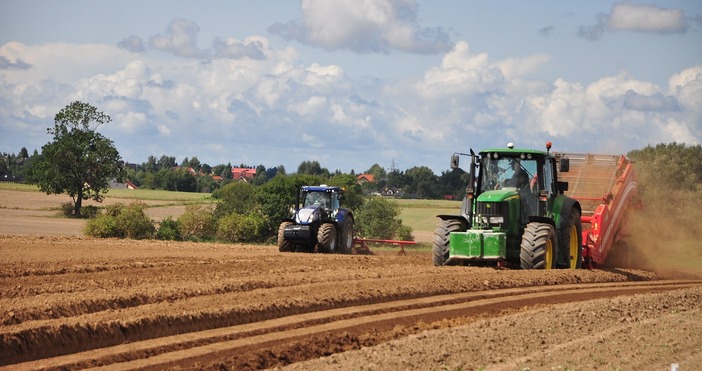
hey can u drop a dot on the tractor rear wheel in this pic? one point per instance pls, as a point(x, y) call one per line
point(572, 241)
point(326, 238)
point(346, 239)
point(538, 249)
point(440, 247)
point(283, 245)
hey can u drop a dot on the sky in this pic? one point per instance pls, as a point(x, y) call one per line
point(353, 83)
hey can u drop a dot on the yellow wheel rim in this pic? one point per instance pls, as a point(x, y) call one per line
point(549, 255)
point(573, 247)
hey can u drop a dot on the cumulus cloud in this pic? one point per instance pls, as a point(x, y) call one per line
point(132, 43)
point(180, 39)
point(646, 18)
point(6, 64)
point(282, 109)
point(252, 48)
point(632, 17)
point(368, 26)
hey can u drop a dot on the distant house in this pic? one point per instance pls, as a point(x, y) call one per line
point(365, 178)
point(243, 173)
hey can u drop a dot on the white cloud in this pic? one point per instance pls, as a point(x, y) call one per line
point(180, 39)
point(626, 16)
point(646, 18)
point(281, 109)
point(132, 43)
point(364, 26)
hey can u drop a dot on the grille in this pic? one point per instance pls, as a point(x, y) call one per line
point(493, 208)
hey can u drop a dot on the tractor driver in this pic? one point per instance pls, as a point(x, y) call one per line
point(520, 178)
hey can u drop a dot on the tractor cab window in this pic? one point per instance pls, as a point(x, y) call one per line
point(320, 199)
point(548, 184)
point(507, 172)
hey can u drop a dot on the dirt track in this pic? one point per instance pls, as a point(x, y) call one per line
point(136, 304)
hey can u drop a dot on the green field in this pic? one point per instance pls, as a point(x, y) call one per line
point(421, 214)
point(131, 194)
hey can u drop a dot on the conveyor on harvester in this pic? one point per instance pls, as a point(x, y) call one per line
point(606, 187)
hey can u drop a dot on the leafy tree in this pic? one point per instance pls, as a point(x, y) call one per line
point(167, 162)
point(377, 171)
point(422, 182)
point(195, 163)
point(236, 197)
point(227, 171)
point(23, 153)
point(79, 161)
point(312, 168)
point(151, 165)
point(379, 218)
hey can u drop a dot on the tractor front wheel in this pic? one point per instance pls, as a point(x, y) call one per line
point(440, 247)
point(326, 238)
point(283, 245)
point(538, 249)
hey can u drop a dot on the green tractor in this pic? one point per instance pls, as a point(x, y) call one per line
point(514, 213)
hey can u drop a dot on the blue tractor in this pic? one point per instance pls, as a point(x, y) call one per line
point(318, 223)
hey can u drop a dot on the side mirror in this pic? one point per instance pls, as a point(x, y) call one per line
point(454, 161)
point(562, 187)
point(564, 164)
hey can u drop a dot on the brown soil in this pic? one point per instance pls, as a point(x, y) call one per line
point(69, 302)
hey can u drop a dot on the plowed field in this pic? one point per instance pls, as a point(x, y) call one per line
point(70, 303)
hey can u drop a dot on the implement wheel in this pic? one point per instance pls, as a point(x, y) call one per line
point(283, 245)
point(440, 247)
point(538, 249)
point(326, 238)
point(572, 241)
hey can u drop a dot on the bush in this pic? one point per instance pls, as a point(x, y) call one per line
point(169, 229)
point(378, 218)
point(197, 223)
point(67, 208)
point(89, 212)
point(404, 233)
point(241, 228)
point(103, 226)
point(134, 223)
point(121, 221)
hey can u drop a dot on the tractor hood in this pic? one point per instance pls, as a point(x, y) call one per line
point(498, 195)
point(307, 214)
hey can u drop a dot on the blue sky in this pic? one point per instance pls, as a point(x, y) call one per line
point(353, 83)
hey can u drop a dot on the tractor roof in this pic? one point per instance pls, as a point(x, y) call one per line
point(321, 188)
point(515, 152)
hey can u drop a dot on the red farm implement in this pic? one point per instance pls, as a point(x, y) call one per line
point(606, 188)
point(360, 245)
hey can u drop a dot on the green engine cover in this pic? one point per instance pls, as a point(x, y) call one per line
point(478, 244)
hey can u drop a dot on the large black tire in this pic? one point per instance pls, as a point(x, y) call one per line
point(538, 249)
point(283, 245)
point(440, 247)
point(326, 238)
point(571, 246)
point(346, 238)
